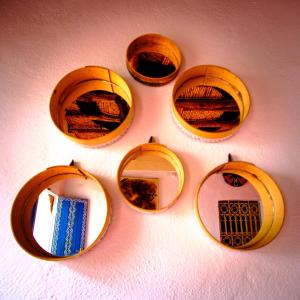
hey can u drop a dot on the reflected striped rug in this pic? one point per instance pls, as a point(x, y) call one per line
point(69, 226)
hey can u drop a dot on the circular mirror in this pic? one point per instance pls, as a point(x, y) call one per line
point(92, 106)
point(153, 59)
point(240, 206)
point(210, 102)
point(150, 178)
point(60, 213)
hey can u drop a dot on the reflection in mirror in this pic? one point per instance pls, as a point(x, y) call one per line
point(231, 213)
point(149, 182)
point(69, 216)
point(208, 108)
point(153, 64)
point(95, 114)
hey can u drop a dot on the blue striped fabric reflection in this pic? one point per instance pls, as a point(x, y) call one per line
point(69, 226)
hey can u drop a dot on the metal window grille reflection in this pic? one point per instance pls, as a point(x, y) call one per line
point(239, 221)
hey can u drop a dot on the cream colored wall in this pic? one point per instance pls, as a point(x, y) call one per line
point(165, 256)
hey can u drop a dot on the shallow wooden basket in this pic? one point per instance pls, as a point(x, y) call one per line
point(79, 83)
point(202, 84)
point(162, 152)
point(24, 203)
point(161, 56)
point(270, 196)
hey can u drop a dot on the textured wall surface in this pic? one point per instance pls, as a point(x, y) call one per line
point(165, 256)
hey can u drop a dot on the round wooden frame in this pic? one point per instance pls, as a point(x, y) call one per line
point(163, 152)
point(270, 195)
point(26, 198)
point(215, 76)
point(84, 80)
point(153, 43)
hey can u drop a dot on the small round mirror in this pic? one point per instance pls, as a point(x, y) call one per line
point(150, 178)
point(153, 59)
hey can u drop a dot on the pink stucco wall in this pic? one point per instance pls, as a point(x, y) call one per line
point(164, 256)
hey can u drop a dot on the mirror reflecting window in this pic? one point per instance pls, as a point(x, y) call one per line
point(230, 209)
point(68, 216)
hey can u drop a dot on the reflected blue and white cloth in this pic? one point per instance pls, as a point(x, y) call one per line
point(69, 226)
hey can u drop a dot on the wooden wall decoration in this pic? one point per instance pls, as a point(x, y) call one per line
point(92, 106)
point(153, 59)
point(26, 199)
point(268, 221)
point(210, 102)
point(167, 159)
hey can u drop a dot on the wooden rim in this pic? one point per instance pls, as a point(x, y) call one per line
point(84, 80)
point(271, 199)
point(153, 42)
point(163, 152)
point(24, 202)
point(215, 76)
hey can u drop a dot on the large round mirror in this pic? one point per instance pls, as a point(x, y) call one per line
point(92, 106)
point(60, 213)
point(150, 178)
point(239, 206)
